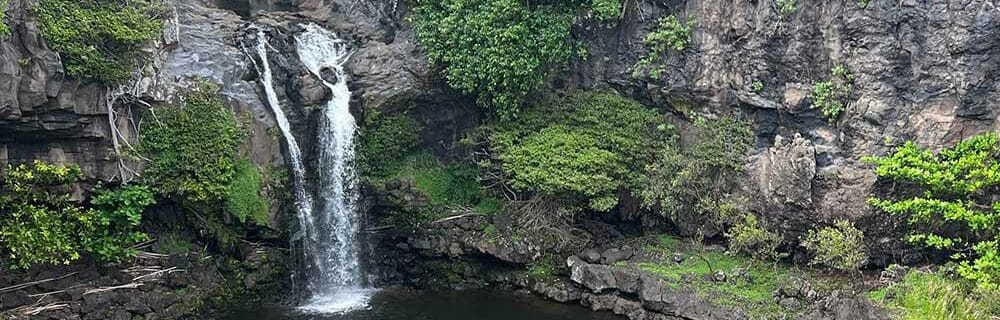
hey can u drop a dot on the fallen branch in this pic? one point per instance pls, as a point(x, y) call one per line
point(28, 284)
point(456, 217)
point(133, 285)
point(31, 311)
point(167, 271)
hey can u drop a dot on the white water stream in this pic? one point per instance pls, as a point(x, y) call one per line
point(331, 229)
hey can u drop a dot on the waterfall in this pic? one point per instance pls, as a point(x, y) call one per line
point(303, 201)
point(330, 234)
point(333, 230)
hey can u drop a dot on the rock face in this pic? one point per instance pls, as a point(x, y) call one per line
point(923, 71)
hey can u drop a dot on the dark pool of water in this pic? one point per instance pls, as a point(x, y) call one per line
point(439, 305)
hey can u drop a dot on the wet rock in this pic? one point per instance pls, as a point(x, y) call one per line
point(613, 255)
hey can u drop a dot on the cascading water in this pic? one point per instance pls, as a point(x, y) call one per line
point(333, 230)
point(303, 201)
point(330, 234)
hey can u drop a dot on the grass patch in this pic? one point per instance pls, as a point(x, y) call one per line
point(752, 293)
point(931, 296)
point(447, 187)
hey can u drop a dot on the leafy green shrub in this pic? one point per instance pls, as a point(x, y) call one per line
point(694, 184)
point(786, 7)
point(244, 199)
point(841, 246)
point(37, 215)
point(4, 29)
point(586, 144)
point(931, 296)
point(193, 147)
point(952, 210)
point(385, 139)
point(112, 226)
point(607, 10)
point(41, 224)
point(499, 50)
point(749, 237)
point(670, 33)
point(830, 95)
point(100, 39)
point(445, 185)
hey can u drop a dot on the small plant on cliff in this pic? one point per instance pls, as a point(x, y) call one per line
point(750, 237)
point(583, 146)
point(607, 10)
point(840, 246)
point(100, 39)
point(40, 223)
point(670, 33)
point(786, 7)
point(4, 28)
point(499, 50)
point(830, 95)
point(954, 208)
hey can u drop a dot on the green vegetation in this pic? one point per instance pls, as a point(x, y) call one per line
point(193, 159)
point(245, 200)
point(193, 147)
point(952, 209)
point(607, 10)
point(444, 186)
point(752, 291)
point(585, 145)
point(841, 246)
point(931, 296)
point(100, 39)
point(4, 28)
point(544, 269)
point(670, 33)
point(40, 223)
point(498, 50)
point(786, 7)
point(385, 139)
point(750, 237)
point(757, 86)
point(693, 185)
point(864, 3)
point(831, 95)
point(112, 226)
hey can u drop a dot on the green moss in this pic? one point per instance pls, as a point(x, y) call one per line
point(384, 139)
point(100, 40)
point(930, 296)
point(446, 186)
point(245, 200)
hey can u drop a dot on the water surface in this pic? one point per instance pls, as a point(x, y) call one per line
point(439, 305)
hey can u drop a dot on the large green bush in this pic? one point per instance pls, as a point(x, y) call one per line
point(498, 50)
point(692, 185)
point(100, 39)
point(588, 145)
point(40, 223)
point(955, 207)
point(193, 147)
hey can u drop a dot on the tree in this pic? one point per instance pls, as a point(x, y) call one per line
point(950, 201)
